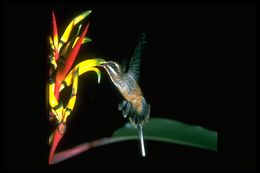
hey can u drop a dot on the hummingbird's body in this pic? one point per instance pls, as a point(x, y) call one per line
point(134, 104)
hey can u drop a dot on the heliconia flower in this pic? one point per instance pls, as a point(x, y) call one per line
point(74, 22)
point(55, 37)
point(62, 72)
point(52, 99)
point(56, 139)
point(64, 76)
point(84, 66)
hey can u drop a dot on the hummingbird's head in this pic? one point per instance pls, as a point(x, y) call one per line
point(112, 67)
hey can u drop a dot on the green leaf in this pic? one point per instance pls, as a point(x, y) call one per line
point(167, 130)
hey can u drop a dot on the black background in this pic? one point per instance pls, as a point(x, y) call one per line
point(199, 67)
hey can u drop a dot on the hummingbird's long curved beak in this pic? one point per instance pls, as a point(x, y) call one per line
point(106, 63)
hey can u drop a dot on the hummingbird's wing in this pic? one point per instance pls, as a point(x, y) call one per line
point(124, 65)
point(134, 66)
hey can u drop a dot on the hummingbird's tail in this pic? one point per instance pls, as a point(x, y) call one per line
point(141, 136)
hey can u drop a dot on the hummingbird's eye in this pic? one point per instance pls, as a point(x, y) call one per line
point(115, 66)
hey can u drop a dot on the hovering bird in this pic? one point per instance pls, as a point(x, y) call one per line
point(134, 104)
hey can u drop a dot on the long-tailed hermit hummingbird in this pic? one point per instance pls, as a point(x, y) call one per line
point(134, 104)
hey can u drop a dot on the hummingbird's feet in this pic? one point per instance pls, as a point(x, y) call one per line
point(125, 107)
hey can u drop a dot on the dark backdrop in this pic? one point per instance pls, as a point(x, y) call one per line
point(199, 67)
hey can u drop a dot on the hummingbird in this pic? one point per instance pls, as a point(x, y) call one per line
point(134, 105)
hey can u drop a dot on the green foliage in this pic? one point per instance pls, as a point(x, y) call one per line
point(166, 130)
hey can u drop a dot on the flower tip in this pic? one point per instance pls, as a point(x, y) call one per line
point(86, 13)
point(53, 14)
